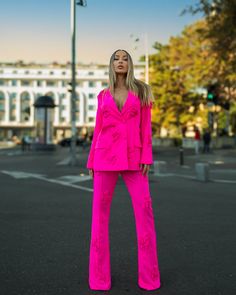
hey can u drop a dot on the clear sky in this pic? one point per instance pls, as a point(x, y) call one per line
point(39, 30)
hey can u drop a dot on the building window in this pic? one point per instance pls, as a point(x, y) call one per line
point(51, 73)
point(79, 84)
point(91, 73)
point(13, 95)
point(2, 82)
point(26, 72)
point(91, 119)
point(39, 73)
point(63, 73)
point(106, 73)
point(14, 82)
point(39, 83)
point(62, 119)
point(14, 72)
point(91, 84)
point(91, 95)
point(91, 107)
point(50, 83)
point(25, 83)
point(104, 84)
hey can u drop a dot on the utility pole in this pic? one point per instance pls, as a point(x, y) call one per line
point(73, 158)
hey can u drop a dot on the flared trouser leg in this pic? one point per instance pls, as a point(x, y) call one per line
point(99, 260)
point(148, 268)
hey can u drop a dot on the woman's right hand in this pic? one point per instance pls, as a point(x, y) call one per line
point(91, 172)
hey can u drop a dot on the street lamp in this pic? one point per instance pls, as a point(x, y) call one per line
point(146, 55)
point(83, 3)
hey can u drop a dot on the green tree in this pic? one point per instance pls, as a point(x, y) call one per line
point(220, 17)
point(177, 71)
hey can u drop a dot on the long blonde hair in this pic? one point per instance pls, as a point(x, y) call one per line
point(140, 88)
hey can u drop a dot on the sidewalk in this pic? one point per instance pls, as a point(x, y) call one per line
point(222, 162)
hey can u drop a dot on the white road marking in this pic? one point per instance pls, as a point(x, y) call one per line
point(193, 177)
point(21, 174)
point(66, 161)
point(224, 181)
point(75, 178)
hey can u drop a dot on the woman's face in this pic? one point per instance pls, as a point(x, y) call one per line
point(121, 62)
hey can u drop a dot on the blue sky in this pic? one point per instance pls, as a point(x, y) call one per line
point(40, 30)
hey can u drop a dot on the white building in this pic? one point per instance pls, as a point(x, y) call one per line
point(21, 84)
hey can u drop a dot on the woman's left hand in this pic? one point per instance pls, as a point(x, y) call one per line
point(145, 168)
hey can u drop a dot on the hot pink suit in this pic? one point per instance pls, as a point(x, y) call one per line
point(122, 140)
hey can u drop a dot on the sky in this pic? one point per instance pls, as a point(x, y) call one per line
point(40, 31)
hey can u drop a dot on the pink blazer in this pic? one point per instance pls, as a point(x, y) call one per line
point(121, 139)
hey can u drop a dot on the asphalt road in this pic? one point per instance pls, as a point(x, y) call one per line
point(45, 214)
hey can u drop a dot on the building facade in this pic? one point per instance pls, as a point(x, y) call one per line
point(21, 85)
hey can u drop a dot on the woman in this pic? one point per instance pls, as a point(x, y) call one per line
point(122, 144)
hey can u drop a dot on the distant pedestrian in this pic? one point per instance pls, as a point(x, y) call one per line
point(197, 138)
point(206, 140)
point(23, 143)
point(122, 144)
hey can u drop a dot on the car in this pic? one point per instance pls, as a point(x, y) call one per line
point(65, 142)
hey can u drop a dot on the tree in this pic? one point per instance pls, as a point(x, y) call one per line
point(220, 16)
point(177, 71)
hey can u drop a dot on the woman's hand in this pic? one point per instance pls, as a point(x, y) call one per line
point(145, 168)
point(91, 172)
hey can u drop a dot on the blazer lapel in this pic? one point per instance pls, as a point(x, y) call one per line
point(114, 105)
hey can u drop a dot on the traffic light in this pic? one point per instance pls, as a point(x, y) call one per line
point(212, 94)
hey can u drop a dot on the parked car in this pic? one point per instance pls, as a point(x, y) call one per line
point(65, 142)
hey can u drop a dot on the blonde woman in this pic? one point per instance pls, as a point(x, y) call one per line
point(122, 144)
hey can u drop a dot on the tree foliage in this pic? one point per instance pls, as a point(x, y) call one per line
point(220, 17)
point(178, 71)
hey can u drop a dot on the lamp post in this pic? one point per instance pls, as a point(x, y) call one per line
point(73, 159)
point(146, 55)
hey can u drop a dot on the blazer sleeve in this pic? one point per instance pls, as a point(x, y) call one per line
point(146, 135)
point(97, 129)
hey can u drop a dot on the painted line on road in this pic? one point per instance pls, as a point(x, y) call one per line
point(21, 174)
point(193, 177)
point(224, 181)
point(67, 184)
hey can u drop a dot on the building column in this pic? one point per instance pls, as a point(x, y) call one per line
point(81, 108)
point(68, 109)
point(7, 107)
point(32, 109)
point(18, 105)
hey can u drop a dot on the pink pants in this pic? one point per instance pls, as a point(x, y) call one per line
point(99, 260)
